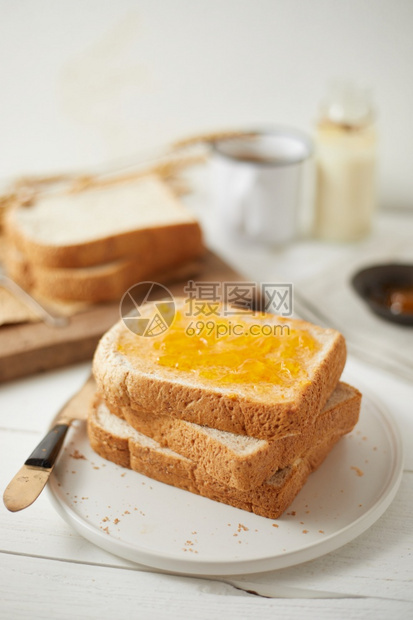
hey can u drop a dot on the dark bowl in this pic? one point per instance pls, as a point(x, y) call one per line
point(374, 285)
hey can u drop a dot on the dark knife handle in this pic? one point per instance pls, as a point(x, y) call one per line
point(45, 454)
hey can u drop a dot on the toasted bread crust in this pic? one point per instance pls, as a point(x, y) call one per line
point(153, 388)
point(214, 454)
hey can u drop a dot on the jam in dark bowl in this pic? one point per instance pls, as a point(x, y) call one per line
point(388, 291)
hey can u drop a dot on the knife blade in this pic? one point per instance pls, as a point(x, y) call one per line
point(32, 477)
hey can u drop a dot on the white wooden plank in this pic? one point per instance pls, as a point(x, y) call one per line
point(31, 403)
point(378, 563)
point(36, 588)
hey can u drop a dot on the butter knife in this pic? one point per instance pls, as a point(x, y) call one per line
point(31, 479)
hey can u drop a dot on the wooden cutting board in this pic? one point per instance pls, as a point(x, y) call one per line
point(28, 348)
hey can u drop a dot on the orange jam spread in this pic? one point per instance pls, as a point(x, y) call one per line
point(260, 351)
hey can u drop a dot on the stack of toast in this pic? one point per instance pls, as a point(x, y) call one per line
point(91, 246)
point(241, 419)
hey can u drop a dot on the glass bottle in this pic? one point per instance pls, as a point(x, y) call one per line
point(345, 143)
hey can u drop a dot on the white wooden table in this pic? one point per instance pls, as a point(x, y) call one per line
point(49, 571)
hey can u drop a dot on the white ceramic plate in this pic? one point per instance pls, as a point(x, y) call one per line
point(154, 524)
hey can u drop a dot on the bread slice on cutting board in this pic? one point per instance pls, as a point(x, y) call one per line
point(140, 219)
point(95, 284)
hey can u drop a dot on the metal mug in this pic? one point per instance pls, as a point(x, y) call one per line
point(258, 183)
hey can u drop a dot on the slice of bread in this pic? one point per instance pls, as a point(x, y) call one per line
point(238, 460)
point(113, 439)
point(262, 386)
point(95, 284)
point(140, 219)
